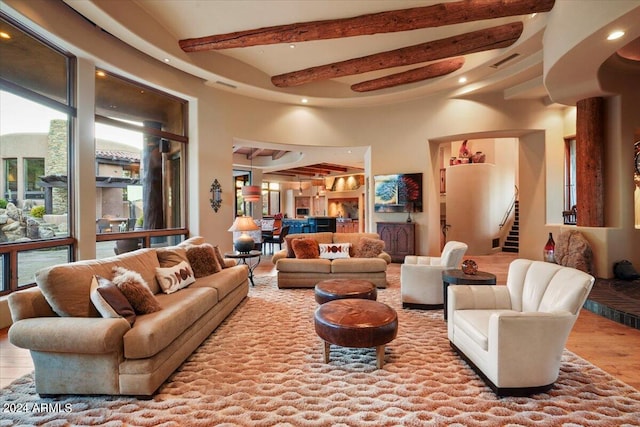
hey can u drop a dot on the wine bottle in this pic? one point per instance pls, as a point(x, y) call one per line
point(549, 250)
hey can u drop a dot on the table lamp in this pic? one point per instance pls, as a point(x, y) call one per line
point(244, 243)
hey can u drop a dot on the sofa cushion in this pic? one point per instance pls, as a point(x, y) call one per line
point(136, 290)
point(110, 301)
point(304, 265)
point(358, 265)
point(225, 281)
point(153, 332)
point(66, 287)
point(203, 260)
point(221, 262)
point(475, 324)
point(172, 279)
point(368, 248)
point(334, 250)
point(305, 248)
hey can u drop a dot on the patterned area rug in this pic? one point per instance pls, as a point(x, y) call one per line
point(264, 366)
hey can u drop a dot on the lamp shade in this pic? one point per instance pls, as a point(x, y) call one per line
point(244, 223)
point(251, 193)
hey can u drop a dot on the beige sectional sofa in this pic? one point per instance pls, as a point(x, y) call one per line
point(84, 353)
point(305, 273)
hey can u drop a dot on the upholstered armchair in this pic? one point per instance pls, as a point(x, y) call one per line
point(421, 276)
point(513, 336)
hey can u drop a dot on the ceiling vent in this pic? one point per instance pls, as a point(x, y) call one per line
point(504, 61)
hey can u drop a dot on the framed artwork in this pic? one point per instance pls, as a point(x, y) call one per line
point(398, 193)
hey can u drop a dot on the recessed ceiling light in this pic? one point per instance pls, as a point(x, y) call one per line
point(166, 60)
point(292, 46)
point(615, 35)
point(462, 80)
point(100, 73)
point(4, 35)
point(304, 100)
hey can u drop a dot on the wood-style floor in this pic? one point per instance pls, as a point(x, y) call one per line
point(609, 345)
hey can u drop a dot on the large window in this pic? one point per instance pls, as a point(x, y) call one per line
point(270, 198)
point(140, 157)
point(36, 110)
point(570, 194)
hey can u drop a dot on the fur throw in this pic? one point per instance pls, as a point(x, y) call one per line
point(136, 290)
point(573, 250)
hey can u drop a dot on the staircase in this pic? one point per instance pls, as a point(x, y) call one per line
point(511, 243)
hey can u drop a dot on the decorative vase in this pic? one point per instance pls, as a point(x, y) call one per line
point(469, 266)
point(479, 157)
point(549, 252)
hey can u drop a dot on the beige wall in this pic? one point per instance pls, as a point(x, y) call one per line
point(402, 138)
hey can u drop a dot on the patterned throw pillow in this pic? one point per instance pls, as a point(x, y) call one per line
point(168, 257)
point(334, 250)
point(110, 301)
point(203, 260)
point(368, 248)
point(305, 248)
point(174, 278)
point(136, 290)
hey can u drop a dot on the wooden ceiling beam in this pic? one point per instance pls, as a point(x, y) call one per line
point(411, 76)
point(278, 154)
point(255, 152)
point(383, 22)
point(463, 44)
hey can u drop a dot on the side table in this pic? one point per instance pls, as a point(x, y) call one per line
point(245, 258)
point(458, 277)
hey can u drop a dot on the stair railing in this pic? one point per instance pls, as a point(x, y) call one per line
point(507, 214)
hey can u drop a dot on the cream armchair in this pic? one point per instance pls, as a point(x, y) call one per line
point(421, 276)
point(514, 335)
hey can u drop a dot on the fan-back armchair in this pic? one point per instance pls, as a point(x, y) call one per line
point(421, 276)
point(514, 335)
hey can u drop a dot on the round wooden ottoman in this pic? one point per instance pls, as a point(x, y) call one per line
point(329, 290)
point(356, 323)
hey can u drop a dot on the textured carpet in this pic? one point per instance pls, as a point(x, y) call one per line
point(264, 366)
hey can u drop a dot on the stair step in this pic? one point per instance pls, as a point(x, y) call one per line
point(509, 249)
point(510, 244)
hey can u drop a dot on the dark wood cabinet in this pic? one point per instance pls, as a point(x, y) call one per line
point(399, 239)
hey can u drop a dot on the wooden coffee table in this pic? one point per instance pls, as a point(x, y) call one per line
point(332, 289)
point(359, 323)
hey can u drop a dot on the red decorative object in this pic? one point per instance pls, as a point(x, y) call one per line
point(549, 252)
point(469, 266)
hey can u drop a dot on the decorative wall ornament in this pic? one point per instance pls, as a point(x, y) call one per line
point(216, 195)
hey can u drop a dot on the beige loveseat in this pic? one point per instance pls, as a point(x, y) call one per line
point(305, 273)
point(84, 353)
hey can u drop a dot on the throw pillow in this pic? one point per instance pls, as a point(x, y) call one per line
point(110, 301)
point(334, 250)
point(174, 278)
point(203, 260)
point(305, 248)
point(136, 290)
point(219, 257)
point(168, 257)
point(369, 248)
point(289, 245)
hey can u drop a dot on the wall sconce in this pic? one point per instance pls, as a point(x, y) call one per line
point(216, 195)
